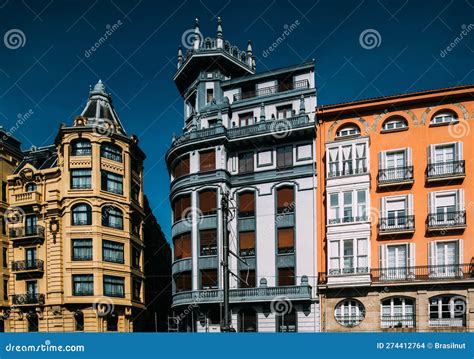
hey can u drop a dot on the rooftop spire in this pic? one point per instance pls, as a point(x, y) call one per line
point(219, 28)
point(250, 59)
point(99, 87)
point(180, 57)
point(197, 35)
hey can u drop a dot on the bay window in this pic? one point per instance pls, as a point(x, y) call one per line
point(81, 249)
point(183, 281)
point(111, 152)
point(347, 207)
point(114, 286)
point(81, 179)
point(112, 182)
point(348, 256)
point(208, 202)
point(182, 246)
point(346, 160)
point(112, 252)
point(82, 284)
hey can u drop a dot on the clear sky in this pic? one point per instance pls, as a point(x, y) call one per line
point(46, 74)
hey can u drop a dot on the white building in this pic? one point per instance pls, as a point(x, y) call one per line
point(251, 135)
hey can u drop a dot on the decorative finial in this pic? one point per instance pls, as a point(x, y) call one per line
point(249, 48)
point(219, 28)
point(302, 106)
point(262, 112)
point(197, 35)
point(180, 57)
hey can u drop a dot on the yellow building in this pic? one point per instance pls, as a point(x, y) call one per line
point(75, 220)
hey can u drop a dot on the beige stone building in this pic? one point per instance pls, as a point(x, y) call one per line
point(75, 216)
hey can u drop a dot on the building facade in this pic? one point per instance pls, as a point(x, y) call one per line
point(248, 137)
point(75, 215)
point(395, 179)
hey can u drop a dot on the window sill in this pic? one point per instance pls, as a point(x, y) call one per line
point(395, 130)
point(444, 123)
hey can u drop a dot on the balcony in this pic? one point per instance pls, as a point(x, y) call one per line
point(26, 198)
point(458, 322)
point(395, 176)
point(423, 273)
point(36, 265)
point(445, 171)
point(28, 299)
point(248, 295)
point(27, 232)
point(396, 225)
point(446, 221)
point(271, 90)
point(398, 321)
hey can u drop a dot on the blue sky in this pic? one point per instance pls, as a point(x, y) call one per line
point(48, 74)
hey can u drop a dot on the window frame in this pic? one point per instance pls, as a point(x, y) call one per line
point(111, 151)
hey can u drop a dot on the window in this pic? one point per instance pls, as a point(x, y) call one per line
point(5, 257)
point(208, 202)
point(347, 160)
point(446, 160)
point(287, 322)
point(5, 289)
point(284, 112)
point(395, 165)
point(393, 124)
point(81, 179)
point(114, 286)
point(181, 167)
point(284, 157)
point(30, 258)
point(81, 249)
point(246, 119)
point(182, 246)
point(112, 217)
point(247, 321)
point(136, 256)
point(111, 182)
point(247, 243)
point(4, 191)
point(81, 214)
point(208, 242)
point(349, 313)
point(81, 148)
point(79, 321)
point(285, 200)
point(209, 279)
point(83, 284)
point(247, 278)
point(112, 322)
point(246, 204)
point(397, 261)
point(246, 164)
point(446, 209)
point(32, 319)
point(348, 131)
point(447, 311)
point(396, 213)
point(112, 251)
point(286, 276)
point(137, 288)
point(183, 281)
point(347, 207)
point(348, 256)
point(207, 160)
point(444, 117)
point(181, 207)
point(209, 95)
point(111, 152)
point(286, 240)
point(398, 313)
point(135, 192)
point(31, 224)
point(445, 258)
point(135, 223)
point(30, 187)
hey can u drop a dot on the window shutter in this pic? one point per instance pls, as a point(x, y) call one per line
point(460, 200)
point(247, 240)
point(409, 159)
point(383, 210)
point(286, 237)
point(431, 203)
point(460, 251)
point(246, 202)
point(459, 150)
point(431, 253)
point(411, 254)
point(382, 249)
point(382, 157)
point(208, 201)
point(285, 197)
point(431, 154)
point(207, 160)
point(410, 210)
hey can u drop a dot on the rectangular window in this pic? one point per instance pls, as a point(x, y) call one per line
point(181, 167)
point(362, 205)
point(112, 182)
point(284, 157)
point(347, 211)
point(286, 276)
point(181, 206)
point(246, 204)
point(208, 242)
point(31, 224)
point(81, 249)
point(286, 240)
point(112, 252)
point(209, 95)
point(5, 289)
point(334, 216)
point(246, 163)
point(246, 119)
point(137, 288)
point(135, 192)
point(183, 281)
point(208, 202)
point(284, 111)
point(182, 246)
point(136, 255)
point(114, 286)
point(348, 256)
point(247, 278)
point(5, 257)
point(207, 160)
point(247, 244)
point(209, 279)
point(81, 179)
point(4, 191)
point(83, 284)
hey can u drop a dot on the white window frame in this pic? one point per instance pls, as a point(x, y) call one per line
point(397, 123)
point(348, 131)
point(349, 313)
point(397, 273)
point(444, 117)
point(358, 209)
point(360, 260)
point(453, 320)
point(407, 320)
point(444, 270)
point(433, 198)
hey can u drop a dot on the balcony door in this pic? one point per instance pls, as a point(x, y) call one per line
point(444, 157)
point(30, 257)
point(445, 208)
point(396, 212)
point(447, 255)
point(31, 224)
point(397, 261)
point(31, 289)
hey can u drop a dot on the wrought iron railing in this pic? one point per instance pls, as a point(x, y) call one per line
point(446, 169)
point(398, 321)
point(394, 224)
point(395, 175)
point(447, 322)
point(28, 265)
point(270, 90)
point(446, 220)
point(27, 231)
point(24, 299)
point(349, 321)
point(349, 171)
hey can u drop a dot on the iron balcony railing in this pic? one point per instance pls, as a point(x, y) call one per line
point(395, 224)
point(395, 175)
point(398, 321)
point(25, 299)
point(446, 169)
point(27, 231)
point(28, 265)
point(349, 171)
point(266, 91)
point(459, 321)
point(446, 220)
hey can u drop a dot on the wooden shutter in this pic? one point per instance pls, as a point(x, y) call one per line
point(182, 246)
point(207, 160)
point(208, 202)
point(208, 278)
point(286, 238)
point(247, 203)
point(208, 240)
point(180, 205)
point(285, 197)
point(459, 151)
point(183, 282)
point(247, 240)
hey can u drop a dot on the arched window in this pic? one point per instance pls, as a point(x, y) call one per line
point(349, 313)
point(394, 123)
point(286, 322)
point(112, 217)
point(81, 215)
point(398, 312)
point(247, 320)
point(111, 151)
point(81, 147)
point(30, 187)
point(349, 130)
point(444, 117)
point(447, 311)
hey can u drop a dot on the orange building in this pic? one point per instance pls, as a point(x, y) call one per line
point(395, 241)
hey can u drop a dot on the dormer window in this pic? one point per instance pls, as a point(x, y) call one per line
point(348, 131)
point(444, 117)
point(394, 124)
point(81, 147)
